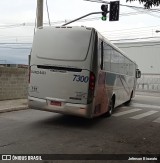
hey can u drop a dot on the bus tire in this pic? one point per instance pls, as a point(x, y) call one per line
point(128, 102)
point(110, 108)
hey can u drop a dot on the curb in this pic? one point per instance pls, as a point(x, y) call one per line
point(16, 108)
point(156, 94)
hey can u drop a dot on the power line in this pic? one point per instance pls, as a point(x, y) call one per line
point(13, 36)
point(145, 11)
point(19, 48)
point(133, 7)
point(98, 1)
point(48, 13)
point(62, 21)
point(101, 1)
point(131, 33)
point(11, 26)
point(140, 38)
point(134, 46)
point(117, 33)
point(22, 43)
point(140, 8)
point(133, 28)
point(14, 43)
point(95, 18)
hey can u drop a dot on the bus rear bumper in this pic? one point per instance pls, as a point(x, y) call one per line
point(68, 108)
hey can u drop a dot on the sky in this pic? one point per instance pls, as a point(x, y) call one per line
point(17, 23)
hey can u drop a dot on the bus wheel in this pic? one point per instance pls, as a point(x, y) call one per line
point(129, 101)
point(110, 108)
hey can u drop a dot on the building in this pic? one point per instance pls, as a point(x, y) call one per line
point(145, 54)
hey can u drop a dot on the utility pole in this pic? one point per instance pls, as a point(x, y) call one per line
point(39, 13)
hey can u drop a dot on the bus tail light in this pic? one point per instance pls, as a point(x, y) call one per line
point(91, 87)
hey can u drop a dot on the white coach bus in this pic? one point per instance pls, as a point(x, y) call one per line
point(75, 70)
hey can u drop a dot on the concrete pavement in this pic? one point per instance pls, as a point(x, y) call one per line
point(13, 105)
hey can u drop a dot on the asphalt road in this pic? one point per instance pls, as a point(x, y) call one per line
point(37, 132)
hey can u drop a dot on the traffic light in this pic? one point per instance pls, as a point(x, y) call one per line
point(114, 11)
point(104, 9)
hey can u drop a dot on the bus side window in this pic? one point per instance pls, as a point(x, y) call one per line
point(107, 57)
point(101, 58)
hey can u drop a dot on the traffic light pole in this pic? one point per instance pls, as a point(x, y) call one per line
point(113, 16)
point(92, 13)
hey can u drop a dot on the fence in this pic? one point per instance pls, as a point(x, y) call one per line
point(149, 82)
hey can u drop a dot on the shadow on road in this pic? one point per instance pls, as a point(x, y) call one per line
point(71, 121)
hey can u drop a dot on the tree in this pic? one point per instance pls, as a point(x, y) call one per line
point(148, 3)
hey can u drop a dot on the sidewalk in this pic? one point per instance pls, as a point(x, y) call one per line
point(148, 93)
point(13, 105)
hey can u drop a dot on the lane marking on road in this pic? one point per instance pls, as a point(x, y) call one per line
point(157, 120)
point(126, 112)
point(139, 116)
point(145, 105)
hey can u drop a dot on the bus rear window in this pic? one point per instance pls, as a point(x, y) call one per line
point(62, 44)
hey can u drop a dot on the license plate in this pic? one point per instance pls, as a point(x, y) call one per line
point(56, 103)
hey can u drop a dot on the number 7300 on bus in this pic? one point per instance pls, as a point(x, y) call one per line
point(76, 71)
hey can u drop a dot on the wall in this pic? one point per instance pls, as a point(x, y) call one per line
point(13, 83)
point(149, 82)
point(145, 54)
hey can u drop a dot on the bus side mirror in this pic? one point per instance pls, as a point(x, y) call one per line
point(138, 73)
